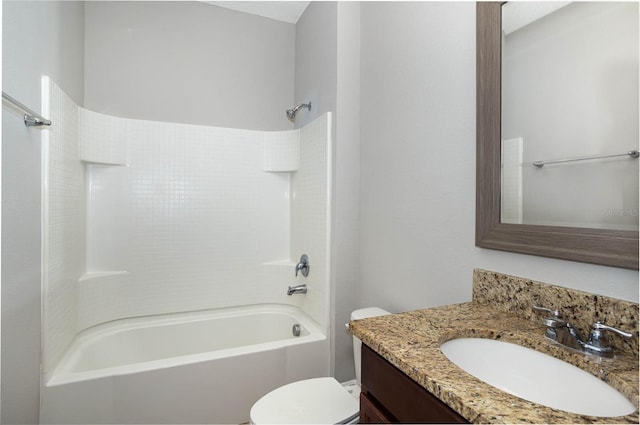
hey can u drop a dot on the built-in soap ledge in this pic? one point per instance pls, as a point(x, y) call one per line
point(91, 276)
point(93, 162)
point(284, 269)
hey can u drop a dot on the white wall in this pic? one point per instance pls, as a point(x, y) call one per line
point(191, 219)
point(188, 62)
point(418, 166)
point(315, 60)
point(418, 154)
point(347, 186)
point(38, 38)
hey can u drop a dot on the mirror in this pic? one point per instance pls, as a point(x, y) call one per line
point(575, 238)
point(570, 114)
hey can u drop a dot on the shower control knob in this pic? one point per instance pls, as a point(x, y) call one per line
point(303, 266)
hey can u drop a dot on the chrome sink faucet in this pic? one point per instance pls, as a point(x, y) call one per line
point(563, 333)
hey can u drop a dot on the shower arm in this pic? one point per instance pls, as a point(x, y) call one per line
point(302, 105)
point(291, 113)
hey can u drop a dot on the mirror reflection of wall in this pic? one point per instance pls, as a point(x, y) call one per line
point(570, 89)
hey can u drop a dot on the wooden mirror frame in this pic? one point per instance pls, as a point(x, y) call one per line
point(617, 248)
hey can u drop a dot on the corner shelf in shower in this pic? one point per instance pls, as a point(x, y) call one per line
point(97, 162)
point(102, 274)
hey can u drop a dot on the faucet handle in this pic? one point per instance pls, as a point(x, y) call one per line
point(557, 314)
point(598, 327)
point(303, 265)
point(598, 343)
point(555, 319)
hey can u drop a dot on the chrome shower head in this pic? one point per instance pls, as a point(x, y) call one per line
point(291, 113)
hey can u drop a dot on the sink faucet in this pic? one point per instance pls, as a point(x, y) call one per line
point(563, 333)
point(299, 289)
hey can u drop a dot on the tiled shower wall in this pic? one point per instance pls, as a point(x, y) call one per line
point(184, 217)
point(311, 187)
point(64, 217)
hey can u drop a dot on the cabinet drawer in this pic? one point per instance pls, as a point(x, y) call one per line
point(370, 413)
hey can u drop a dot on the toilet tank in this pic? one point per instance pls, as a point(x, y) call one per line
point(363, 313)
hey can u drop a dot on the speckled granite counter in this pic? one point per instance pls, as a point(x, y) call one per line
point(411, 341)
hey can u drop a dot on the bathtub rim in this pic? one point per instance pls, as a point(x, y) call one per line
point(61, 375)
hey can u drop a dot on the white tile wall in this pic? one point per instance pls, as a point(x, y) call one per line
point(310, 214)
point(192, 221)
point(281, 150)
point(103, 139)
point(63, 238)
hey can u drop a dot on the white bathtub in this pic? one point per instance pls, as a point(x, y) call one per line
point(198, 367)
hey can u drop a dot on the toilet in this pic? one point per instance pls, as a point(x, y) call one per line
point(317, 400)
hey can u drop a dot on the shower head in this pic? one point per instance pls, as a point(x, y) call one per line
point(291, 113)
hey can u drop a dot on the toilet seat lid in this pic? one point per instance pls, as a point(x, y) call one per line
point(312, 401)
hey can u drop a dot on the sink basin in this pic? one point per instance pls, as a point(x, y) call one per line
point(536, 377)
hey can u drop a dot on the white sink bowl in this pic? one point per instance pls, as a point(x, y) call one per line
point(536, 377)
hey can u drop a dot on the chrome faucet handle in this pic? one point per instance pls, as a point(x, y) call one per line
point(555, 317)
point(303, 265)
point(557, 329)
point(598, 326)
point(557, 314)
point(596, 338)
point(598, 343)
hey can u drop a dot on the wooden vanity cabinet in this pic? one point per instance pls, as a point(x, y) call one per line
point(390, 396)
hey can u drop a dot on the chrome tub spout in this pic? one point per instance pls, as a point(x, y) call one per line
point(298, 289)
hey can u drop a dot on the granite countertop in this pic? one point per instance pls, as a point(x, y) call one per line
point(411, 342)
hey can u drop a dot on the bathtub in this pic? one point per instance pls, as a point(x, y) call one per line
point(198, 367)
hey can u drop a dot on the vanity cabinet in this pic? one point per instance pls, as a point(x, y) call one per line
point(390, 396)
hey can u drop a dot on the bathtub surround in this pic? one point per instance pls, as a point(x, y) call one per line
point(147, 218)
point(206, 217)
point(64, 221)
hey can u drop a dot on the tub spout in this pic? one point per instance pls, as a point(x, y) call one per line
point(299, 289)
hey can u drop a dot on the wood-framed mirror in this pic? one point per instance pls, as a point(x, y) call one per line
point(617, 248)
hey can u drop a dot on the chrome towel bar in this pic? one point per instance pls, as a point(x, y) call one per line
point(31, 118)
point(632, 153)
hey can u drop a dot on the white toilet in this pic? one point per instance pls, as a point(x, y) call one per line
point(317, 400)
